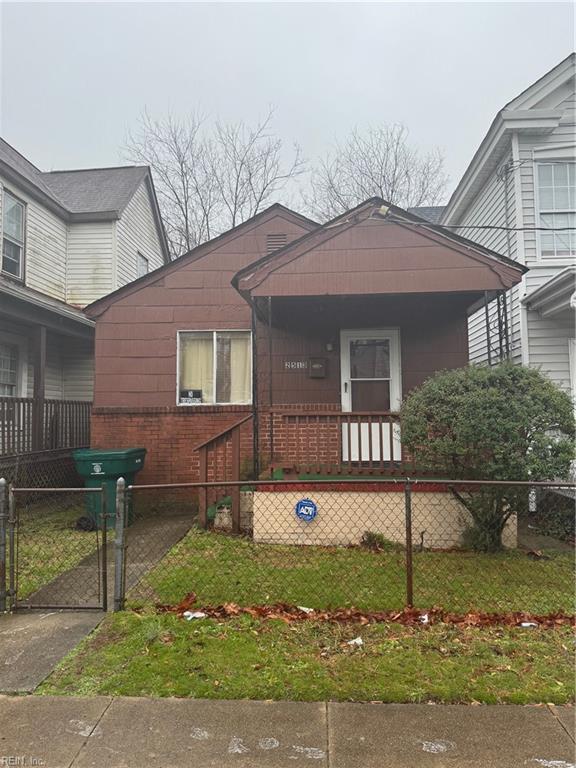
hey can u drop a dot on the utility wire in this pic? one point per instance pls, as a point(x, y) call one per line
point(481, 226)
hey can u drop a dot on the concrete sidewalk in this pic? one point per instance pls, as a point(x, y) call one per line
point(61, 732)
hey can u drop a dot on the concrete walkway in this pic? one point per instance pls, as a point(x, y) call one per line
point(61, 732)
point(33, 642)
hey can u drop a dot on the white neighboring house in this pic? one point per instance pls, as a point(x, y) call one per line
point(523, 175)
point(68, 238)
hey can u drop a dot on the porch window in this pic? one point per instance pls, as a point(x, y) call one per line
point(215, 368)
point(12, 235)
point(557, 201)
point(8, 370)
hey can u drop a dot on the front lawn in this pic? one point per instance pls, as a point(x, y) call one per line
point(161, 655)
point(220, 568)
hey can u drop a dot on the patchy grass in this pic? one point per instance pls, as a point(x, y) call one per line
point(48, 542)
point(222, 568)
point(160, 655)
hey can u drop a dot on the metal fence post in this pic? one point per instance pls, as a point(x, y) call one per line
point(409, 564)
point(119, 546)
point(3, 526)
point(104, 517)
point(12, 546)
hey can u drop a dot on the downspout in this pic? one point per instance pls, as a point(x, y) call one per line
point(255, 425)
point(270, 387)
point(502, 300)
point(519, 222)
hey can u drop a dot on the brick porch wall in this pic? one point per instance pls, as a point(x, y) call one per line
point(169, 436)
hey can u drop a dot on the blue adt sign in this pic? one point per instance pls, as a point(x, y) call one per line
point(306, 510)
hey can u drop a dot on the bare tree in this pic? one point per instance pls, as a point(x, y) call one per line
point(209, 179)
point(377, 163)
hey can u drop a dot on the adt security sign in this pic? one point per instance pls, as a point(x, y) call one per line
point(306, 510)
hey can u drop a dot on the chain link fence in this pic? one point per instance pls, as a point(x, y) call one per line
point(53, 548)
point(371, 544)
point(43, 469)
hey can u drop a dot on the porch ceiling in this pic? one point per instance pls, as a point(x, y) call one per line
point(378, 249)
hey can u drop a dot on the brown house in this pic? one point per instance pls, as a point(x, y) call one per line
point(287, 341)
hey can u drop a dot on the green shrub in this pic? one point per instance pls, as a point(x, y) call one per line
point(501, 423)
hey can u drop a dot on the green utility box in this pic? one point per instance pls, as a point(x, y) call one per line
point(99, 467)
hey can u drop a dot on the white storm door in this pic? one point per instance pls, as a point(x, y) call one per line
point(370, 384)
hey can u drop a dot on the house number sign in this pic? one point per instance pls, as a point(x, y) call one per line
point(295, 365)
point(306, 510)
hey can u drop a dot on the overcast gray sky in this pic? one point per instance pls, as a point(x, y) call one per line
point(76, 76)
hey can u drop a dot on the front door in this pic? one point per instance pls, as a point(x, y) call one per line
point(370, 384)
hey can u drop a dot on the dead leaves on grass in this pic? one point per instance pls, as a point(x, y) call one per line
point(407, 616)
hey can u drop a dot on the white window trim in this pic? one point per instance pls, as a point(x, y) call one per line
point(213, 331)
point(5, 191)
point(21, 342)
point(538, 160)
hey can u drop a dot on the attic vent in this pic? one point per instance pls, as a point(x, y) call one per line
point(273, 242)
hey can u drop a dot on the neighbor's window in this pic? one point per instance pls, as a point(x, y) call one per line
point(557, 198)
point(12, 235)
point(143, 265)
point(215, 367)
point(8, 370)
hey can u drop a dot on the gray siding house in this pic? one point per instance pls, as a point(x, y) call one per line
point(68, 238)
point(523, 177)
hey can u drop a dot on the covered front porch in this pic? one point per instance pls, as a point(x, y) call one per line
point(346, 321)
point(46, 372)
point(332, 371)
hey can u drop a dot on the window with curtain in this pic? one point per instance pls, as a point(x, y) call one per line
point(12, 236)
point(215, 368)
point(557, 200)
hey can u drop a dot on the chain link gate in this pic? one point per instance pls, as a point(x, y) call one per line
point(53, 548)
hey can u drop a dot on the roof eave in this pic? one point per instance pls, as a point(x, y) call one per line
point(33, 190)
point(492, 148)
point(554, 296)
point(41, 301)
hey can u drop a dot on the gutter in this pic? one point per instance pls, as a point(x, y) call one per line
point(63, 310)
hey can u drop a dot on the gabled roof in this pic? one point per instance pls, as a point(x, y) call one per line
point(96, 190)
point(91, 194)
point(99, 306)
point(12, 160)
point(251, 277)
point(529, 112)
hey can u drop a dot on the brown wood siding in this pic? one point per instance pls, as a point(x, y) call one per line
point(136, 336)
point(433, 336)
point(377, 257)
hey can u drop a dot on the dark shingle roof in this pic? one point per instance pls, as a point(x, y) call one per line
point(95, 190)
point(91, 191)
point(24, 168)
point(432, 213)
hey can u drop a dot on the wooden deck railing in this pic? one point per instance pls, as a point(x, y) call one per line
point(220, 460)
point(28, 424)
point(336, 442)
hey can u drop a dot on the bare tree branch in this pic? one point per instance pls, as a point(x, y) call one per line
point(377, 163)
point(209, 180)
